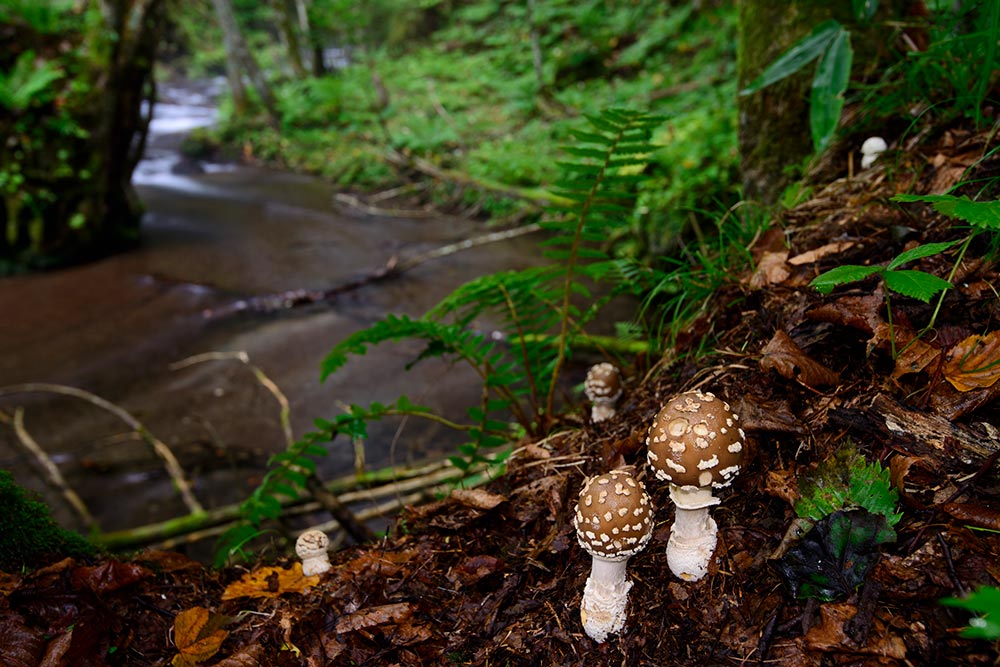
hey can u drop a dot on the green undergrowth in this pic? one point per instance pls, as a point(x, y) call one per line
point(467, 98)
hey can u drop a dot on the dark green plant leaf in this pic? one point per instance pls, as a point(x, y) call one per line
point(827, 97)
point(916, 284)
point(864, 10)
point(985, 603)
point(982, 214)
point(846, 481)
point(841, 275)
point(921, 251)
point(800, 54)
point(835, 556)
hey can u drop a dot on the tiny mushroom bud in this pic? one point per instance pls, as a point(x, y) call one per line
point(871, 149)
point(614, 520)
point(603, 388)
point(695, 444)
point(311, 548)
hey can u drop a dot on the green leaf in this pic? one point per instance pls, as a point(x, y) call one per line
point(834, 558)
point(916, 284)
point(800, 54)
point(985, 603)
point(841, 275)
point(921, 251)
point(982, 214)
point(864, 10)
point(828, 87)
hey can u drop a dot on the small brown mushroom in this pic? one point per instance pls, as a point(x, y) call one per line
point(311, 548)
point(603, 388)
point(695, 444)
point(614, 520)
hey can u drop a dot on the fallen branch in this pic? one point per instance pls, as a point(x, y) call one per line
point(170, 462)
point(393, 268)
point(55, 478)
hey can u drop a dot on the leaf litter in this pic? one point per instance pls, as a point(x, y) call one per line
point(495, 577)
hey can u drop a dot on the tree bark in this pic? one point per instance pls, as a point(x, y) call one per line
point(774, 136)
point(239, 59)
point(286, 23)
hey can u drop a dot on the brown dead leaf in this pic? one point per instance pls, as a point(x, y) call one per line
point(830, 635)
point(20, 645)
point(816, 254)
point(270, 582)
point(916, 355)
point(478, 498)
point(198, 635)
point(974, 363)
point(974, 514)
point(781, 354)
point(108, 576)
point(782, 484)
point(248, 656)
point(771, 270)
point(474, 568)
point(380, 615)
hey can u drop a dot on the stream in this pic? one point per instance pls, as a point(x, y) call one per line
point(213, 235)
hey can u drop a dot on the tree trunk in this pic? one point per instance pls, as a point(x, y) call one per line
point(239, 59)
point(286, 23)
point(774, 136)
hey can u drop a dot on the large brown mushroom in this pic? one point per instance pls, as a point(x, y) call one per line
point(695, 444)
point(614, 520)
point(603, 387)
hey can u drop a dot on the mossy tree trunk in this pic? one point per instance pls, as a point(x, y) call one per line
point(66, 167)
point(774, 136)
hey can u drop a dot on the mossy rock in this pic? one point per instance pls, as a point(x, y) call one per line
point(29, 537)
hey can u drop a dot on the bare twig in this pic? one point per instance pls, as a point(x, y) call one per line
point(56, 480)
point(172, 466)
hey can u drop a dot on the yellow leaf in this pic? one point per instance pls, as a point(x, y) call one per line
point(197, 635)
point(974, 363)
point(270, 582)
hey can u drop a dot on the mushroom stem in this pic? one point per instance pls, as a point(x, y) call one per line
point(605, 597)
point(694, 534)
point(602, 410)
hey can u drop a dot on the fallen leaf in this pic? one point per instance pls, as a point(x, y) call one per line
point(478, 498)
point(270, 582)
point(782, 484)
point(916, 355)
point(248, 656)
point(366, 618)
point(974, 363)
point(20, 645)
point(474, 568)
point(781, 354)
point(198, 635)
point(771, 270)
point(830, 636)
point(108, 576)
point(973, 514)
point(816, 254)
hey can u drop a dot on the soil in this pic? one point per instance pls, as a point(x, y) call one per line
point(495, 576)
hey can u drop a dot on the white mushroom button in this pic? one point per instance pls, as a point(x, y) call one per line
point(694, 443)
point(614, 520)
point(311, 548)
point(603, 388)
point(871, 149)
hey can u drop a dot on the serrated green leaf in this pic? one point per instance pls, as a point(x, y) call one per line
point(800, 54)
point(827, 95)
point(916, 284)
point(983, 214)
point(841, 275)
point(920, 252)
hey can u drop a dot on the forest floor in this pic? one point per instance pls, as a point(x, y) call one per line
point(494, 576)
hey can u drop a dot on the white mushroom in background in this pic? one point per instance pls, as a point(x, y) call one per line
point(695, 444)
point(614, 520)
point(871, 149)
point(603, 388)
point(311, 548)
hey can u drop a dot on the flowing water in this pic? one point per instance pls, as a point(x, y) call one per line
point(213, 236)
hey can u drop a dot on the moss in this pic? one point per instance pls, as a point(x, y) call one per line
point(29, 537)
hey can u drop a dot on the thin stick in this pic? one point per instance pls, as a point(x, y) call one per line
point(172, 466)
point(56, 480)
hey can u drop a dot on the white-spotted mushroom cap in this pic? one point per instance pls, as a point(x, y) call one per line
point(604, 383)
point(614, 518)
point(695, 441)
